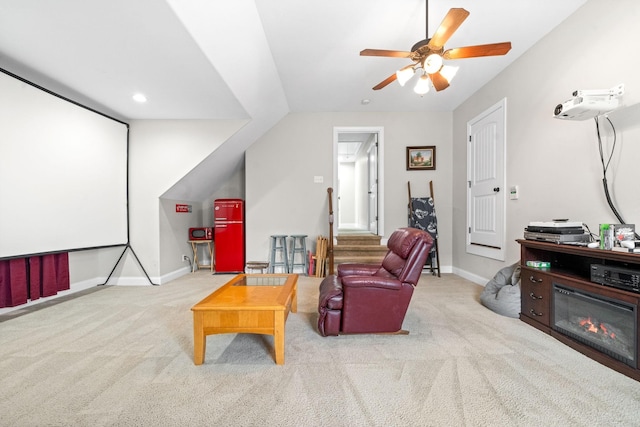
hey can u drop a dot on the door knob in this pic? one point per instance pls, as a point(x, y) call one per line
point(496, 189)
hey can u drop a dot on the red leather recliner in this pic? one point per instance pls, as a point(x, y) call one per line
point(373, 298)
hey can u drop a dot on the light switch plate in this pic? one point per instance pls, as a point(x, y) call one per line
point(514, 192)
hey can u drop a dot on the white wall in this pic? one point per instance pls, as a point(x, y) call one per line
point(554, 162)
point(346, 202)
point(90, 268)
point(162, 152)
point(282, 197)
point(174, 228)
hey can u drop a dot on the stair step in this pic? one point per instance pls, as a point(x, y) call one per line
point(358, 248)
point(358, 253)
point(358, 259)
point(361, 248)
point(358, 239)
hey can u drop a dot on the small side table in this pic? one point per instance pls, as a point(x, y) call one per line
point(196, 263)
point(261, 266)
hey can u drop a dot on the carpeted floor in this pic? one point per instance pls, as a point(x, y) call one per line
point(123, 356)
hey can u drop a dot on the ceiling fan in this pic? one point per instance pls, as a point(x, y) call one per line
point(428, 54)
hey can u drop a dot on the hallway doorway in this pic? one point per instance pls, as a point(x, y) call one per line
point(358, 179)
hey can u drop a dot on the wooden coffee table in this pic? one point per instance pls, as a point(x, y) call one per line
point(250, 304)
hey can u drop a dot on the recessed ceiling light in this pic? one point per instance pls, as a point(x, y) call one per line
point(139, 97)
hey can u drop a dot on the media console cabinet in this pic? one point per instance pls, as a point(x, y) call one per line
point(545, 293)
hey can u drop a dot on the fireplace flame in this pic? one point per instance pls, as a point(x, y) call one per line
point(596, 327)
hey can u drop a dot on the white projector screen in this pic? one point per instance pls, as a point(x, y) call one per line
point(63, 174)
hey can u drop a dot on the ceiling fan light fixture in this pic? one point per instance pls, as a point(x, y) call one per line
point(422, 86)
point(403, 75)
point(429, 54)
point(448, 72)
point(432, 63)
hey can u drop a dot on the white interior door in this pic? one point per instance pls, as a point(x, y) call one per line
point(486, 139)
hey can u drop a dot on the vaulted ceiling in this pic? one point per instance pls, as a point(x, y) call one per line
point(252, 59)
point(307, 52)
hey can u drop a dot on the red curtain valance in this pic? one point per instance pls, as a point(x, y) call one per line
point(24, 279)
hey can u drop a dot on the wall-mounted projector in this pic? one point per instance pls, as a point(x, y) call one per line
point(587, 104)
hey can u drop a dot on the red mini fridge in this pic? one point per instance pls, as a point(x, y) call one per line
point(228, 235)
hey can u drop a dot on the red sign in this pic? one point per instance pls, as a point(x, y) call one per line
point(183, 208)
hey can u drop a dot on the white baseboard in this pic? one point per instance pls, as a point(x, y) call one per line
point(470, 276)
point(443, 269)
point(174, 275)
point(143, 281)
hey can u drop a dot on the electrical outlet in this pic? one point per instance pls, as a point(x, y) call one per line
point(185, 258)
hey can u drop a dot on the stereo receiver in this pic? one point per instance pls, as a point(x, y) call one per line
point(617, 277)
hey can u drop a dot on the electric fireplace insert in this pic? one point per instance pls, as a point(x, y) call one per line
point(606, 324)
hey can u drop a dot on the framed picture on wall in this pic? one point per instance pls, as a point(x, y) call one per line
point(421, 158)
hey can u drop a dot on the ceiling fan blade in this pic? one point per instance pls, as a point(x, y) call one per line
point(439, 82)
point(382, 52)
point(493, 49)
point(385, 82)
point(454, 18)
